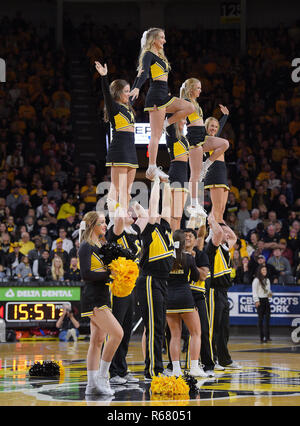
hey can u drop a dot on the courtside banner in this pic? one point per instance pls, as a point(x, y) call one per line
point(39, 293)
point(285, 305)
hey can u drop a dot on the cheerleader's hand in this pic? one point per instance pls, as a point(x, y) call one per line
point(224, 109)
point(102, 69)
point(134, 94)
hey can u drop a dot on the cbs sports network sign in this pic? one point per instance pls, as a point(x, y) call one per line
point(284, 303)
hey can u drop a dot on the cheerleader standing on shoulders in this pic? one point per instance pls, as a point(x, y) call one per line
point(154, 64)
point(121, 156)
point(127, 234)
point(178, 149)
point(216, 177)
point(181, 306)
point(95, 304)
point(199, 142)
point(156, 261)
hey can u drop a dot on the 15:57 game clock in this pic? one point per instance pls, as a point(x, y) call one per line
point(33, 311)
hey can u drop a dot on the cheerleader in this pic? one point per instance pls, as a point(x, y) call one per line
point(121, 156)
point(156, 261)
point(199, 142)
point(127, 234)
point(95, 304)
point(216, 177)
point(181, 306)
point(194, 243)
point(178, 149)
point(154, 64)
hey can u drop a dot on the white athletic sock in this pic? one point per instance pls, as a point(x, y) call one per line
point(104, 368)
point(176, 368)
point(151, 166)
point(194, 363)
point(92, 377)
point(194, 202)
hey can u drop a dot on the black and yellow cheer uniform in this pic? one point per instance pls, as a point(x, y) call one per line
point(158, 94)
point(156, 262)
point(95, 292)
point(180, 298)
point(216, 176)
point(126, 240)
point(122, 150)
point(123, 307)
point(177, 147)
point(199, 291)
point(195, 134)
point(219, 259)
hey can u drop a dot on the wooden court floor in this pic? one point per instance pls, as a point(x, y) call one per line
point(270, 376)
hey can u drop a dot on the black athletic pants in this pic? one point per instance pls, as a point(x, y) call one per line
point(219, 322)
point(152, 295)
point(206, 353)
point(122, 309)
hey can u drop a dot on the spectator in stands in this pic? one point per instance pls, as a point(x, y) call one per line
point(260, 198)
point(74, 250)
point(25, 243)
point(271, 239)
point(66, 209)
point(55, 192)
point(242, 215)
point(45, 202)
point(59, 251)
point(30, 225)
point(252, 244)
point(74, 272)
point(3, 273)
point(48, 220)
point(46, 240)
point(22, 209)
point(88, 194)
point(67, 244)
point(57, 269)
point(70, 224)
point(42, 267)
point(23, 269)
point(282, 265)
point(255, 262)
point(286, 251)
point(14, 258)
point(243, 273)
point(37, 252)
point(13, 199)
point(250, 224)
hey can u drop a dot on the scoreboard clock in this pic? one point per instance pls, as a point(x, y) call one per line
point(33, 311)
point(32, 306)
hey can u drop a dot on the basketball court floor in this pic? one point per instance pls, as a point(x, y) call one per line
point(270, 376)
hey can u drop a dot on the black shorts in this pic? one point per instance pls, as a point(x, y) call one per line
point(216, 176)
point(158, 95)
point(178, 175)
point(94, 296)
point(122, 151)
point(196, 135)
point(180, 298)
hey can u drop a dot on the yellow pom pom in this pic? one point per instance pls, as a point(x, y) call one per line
point(169, 385)
point(124, 273)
